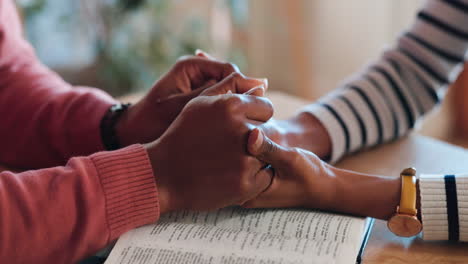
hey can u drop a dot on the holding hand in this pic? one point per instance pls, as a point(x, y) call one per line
point(300, 178)
point(302, 130)
point(200, 162)
point(150, 117)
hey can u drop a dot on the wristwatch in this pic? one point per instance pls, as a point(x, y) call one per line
point(405, 222)
point(108, 126)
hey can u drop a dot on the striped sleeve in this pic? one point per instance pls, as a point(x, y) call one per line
point(444, 207)
point(384, 102)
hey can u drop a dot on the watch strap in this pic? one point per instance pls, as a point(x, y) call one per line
point(408, 192)
point(109, 136)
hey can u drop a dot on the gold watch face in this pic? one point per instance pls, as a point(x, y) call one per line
point(404, 225)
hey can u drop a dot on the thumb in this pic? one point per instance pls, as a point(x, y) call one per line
point(264, 149)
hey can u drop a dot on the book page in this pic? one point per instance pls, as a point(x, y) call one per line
point(237, 235)
point(299, 223)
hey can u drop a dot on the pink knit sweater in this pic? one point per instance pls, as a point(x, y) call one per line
point(60, 214)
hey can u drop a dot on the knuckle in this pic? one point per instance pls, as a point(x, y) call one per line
point(195, 102)
point(181, 63)
point(295, 157)
point(264, 105)
point(185, 62)
point(236, 76)
point(219, 105)
point(231, 104)
point(197, 105)
point(230, 68)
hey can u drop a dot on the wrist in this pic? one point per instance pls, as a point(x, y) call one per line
point(365, 195)
point(324, 195)
point(158, 162)
point(122, 128)
point(308, 133)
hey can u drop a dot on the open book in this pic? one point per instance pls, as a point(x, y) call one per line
point(237, 236)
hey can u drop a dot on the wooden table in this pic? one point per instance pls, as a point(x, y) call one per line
point(428, 156)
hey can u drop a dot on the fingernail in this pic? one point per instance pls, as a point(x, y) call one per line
point(199, 51)
point(229, 92)
point(257, 89)
point(263, 80)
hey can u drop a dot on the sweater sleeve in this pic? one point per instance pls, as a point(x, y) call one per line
point(45, 121)
point(385, 100)
point(63, 214)
point(444, 207)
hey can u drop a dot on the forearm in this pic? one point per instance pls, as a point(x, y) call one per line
point(364, 194)
point(77, 209)
point(44, 125)
point(45, 121)
point(439, 200)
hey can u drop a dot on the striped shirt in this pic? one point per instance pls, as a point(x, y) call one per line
point(385, 100)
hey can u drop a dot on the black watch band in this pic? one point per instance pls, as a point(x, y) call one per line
point(108, 123)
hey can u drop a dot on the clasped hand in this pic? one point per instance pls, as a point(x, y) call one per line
point(195, 123)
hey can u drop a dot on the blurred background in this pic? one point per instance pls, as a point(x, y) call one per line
point(304, 47)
